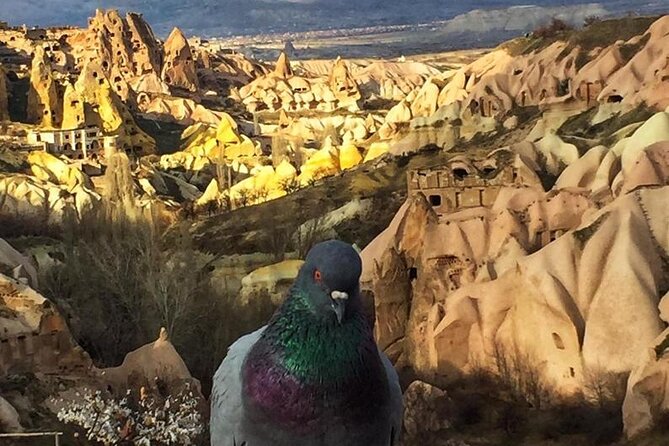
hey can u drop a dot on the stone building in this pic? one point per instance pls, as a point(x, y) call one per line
point(35, 33)
point(464, 182)
point(79, 143)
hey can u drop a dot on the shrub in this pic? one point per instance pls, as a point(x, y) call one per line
point(520, 373)
point(244, 198)
point(555, 27)
point(290, 185)
point(122, 282)
point(591, 20)
point(603, 388)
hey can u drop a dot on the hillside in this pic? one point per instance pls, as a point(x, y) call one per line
point(509, 205)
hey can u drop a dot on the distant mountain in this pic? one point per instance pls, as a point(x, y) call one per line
point(217, 18)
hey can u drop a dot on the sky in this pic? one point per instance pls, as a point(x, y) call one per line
point(214, 18)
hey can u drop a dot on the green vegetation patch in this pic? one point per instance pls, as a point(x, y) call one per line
point(600, 34)
point(607, 32)
point(579, 125)
point(597, 34)
point(628, 51)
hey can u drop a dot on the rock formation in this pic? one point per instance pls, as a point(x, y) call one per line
point(646, 399)
point(55, 190)
point(105, 109)
point(146, 52)
point(22, 268)
point(181, 110)
point(74, 108)
point(124, 44)
point(282, 68)
point(44, 100)
point(342, 84)
point(563, 76)
point(425, 414)
point(158, 360)
point(539, 273)
point(34, 335)
point(9, 418)
point(644, 77)
point(4, 96)
point(179, 65)
point(326, 87)
point(272, 280)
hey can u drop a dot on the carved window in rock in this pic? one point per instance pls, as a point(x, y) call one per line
point(21, 346)
point(453, 268)
point(557, 340)
point(460, 173)
point(435, 200)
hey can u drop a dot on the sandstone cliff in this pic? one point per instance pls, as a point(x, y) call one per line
point(179, 67)
point(104, 108)
point(544, 274)
point(44, 99)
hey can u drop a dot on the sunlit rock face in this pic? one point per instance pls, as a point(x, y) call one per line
point(179, 66)
point(93, 101)
point(562, 75)
point(44, 101)
point(326, 86)
point(536, 272)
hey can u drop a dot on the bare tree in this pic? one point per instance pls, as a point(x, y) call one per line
point(243, 198)
point(290, 185)
point(307, 235)
point(603, 387)
point(520, 372)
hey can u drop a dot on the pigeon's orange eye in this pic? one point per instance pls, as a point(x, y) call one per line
point(317, 276)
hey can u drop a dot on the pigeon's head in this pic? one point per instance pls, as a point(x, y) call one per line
point(330, 278)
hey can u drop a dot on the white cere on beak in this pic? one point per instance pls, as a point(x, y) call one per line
point(339, 295)
point(339, 299)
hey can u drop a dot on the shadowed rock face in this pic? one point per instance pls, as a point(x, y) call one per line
point(4, 96)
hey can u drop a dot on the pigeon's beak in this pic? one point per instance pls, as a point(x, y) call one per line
point(339, 299)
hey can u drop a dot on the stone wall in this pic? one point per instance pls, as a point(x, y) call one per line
point(462, 183)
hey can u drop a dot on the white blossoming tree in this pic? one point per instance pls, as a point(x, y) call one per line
point(144, 420)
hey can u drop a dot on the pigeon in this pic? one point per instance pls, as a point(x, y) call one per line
point(313, 376)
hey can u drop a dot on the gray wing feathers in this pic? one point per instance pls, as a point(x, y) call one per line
point(226, 394)
point(396, 400)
